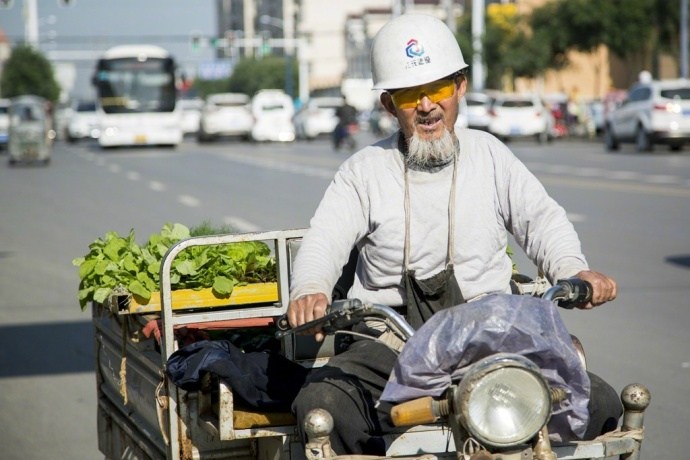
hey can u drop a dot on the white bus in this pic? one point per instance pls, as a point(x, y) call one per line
point(136, 94)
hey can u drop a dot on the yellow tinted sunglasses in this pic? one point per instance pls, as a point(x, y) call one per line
point(409, 98)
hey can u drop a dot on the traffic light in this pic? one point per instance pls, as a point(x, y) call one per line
point(6, 3)
point(195, 41)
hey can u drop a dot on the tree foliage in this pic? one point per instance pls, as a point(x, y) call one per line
point(528, 45)
point(27, 71)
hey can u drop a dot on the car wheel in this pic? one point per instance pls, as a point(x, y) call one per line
point(642, 140)
point(675, 147)
point(542, 137)
point(610, 139)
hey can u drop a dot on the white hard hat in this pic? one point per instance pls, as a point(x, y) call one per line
point(414, 49)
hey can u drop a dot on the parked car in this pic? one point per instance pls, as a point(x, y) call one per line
point(655, 112)
point(225, 114)
point(478, 105)
point(82, 122)
point(518, 116)
point(317, 117)
point(190, 114)
point(4, 122)
point(273, 111)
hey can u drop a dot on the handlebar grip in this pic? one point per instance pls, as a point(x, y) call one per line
point(579, 292)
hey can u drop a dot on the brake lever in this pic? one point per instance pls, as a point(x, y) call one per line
point(340, 315)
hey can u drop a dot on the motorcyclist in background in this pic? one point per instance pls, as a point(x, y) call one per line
point(417, 205)
point(346, 127)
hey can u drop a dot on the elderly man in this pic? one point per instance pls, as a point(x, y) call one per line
point(429, 210)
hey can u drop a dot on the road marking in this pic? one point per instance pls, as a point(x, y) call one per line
point(188, 200)
point(588, 172)
point(240, 224)
point(113, 168)
point(133, 175)
point(575, 217)
point(661, 179)
point(624, 175)
point(157, 186)
point(279, 165)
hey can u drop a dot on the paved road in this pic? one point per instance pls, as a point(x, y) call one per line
point(632, 212)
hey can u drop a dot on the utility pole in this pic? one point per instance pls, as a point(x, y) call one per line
point(684, 38)
point(31, 23)
point(478, 79)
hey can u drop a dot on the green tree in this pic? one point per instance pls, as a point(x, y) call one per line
point(27, 71)
point(626, 27)
point(252, 74)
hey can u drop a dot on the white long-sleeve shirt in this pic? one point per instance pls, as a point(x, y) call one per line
point(364, 206)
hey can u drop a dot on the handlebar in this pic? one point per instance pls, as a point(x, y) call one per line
point(344, 313)
point(570, 292)
point(341, 314)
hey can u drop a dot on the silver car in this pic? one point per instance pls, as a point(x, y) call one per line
point(655, 112)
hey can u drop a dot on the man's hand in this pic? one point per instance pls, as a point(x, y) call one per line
point(308, 308)
point(604, 288)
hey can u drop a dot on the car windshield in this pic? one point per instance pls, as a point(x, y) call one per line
point(517, 104)
point(86, 107)
point(231, 104)
point(676, 93)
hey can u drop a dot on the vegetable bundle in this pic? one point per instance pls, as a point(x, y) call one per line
point(116, 261)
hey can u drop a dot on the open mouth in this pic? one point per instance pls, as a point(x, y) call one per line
point(429, 123)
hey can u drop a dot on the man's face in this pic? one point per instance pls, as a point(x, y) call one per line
point(426, 111)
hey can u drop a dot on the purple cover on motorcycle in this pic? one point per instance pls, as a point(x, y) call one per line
point(441, 351)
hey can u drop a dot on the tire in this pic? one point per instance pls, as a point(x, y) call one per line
point(610, 139)
point(642, 140)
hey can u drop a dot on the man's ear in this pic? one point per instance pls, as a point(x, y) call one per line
point(462, 86)
point(387, 103)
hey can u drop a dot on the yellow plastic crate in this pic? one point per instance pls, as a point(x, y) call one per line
point(184, 299)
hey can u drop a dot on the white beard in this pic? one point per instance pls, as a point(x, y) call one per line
point(424, 154)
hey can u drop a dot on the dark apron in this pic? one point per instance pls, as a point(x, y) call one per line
point(426, 297)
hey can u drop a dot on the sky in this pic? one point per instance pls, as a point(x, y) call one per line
point(95, 25)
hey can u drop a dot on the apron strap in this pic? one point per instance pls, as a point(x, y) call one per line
point(451, 216)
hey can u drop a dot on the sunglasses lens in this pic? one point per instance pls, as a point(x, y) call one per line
point(437, 91)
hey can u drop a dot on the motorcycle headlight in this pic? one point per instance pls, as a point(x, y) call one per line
point(503, 400)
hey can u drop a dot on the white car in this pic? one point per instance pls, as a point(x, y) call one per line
point(190, 113)
point(4, 122)
point(273, 111)
point(83, 122)
point(225, 114)
point(654, 112)
point(478, 105)
point(518, 116)
point(317, 117)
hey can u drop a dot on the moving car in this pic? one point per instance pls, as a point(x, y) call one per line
point(273, 111)
point(4, 122)
point(225, 114)
point(83, 122)
point(655, 112)
point(516, 116)
point(317, 117)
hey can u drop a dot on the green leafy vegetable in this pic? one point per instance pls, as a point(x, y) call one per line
point(116, 261)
